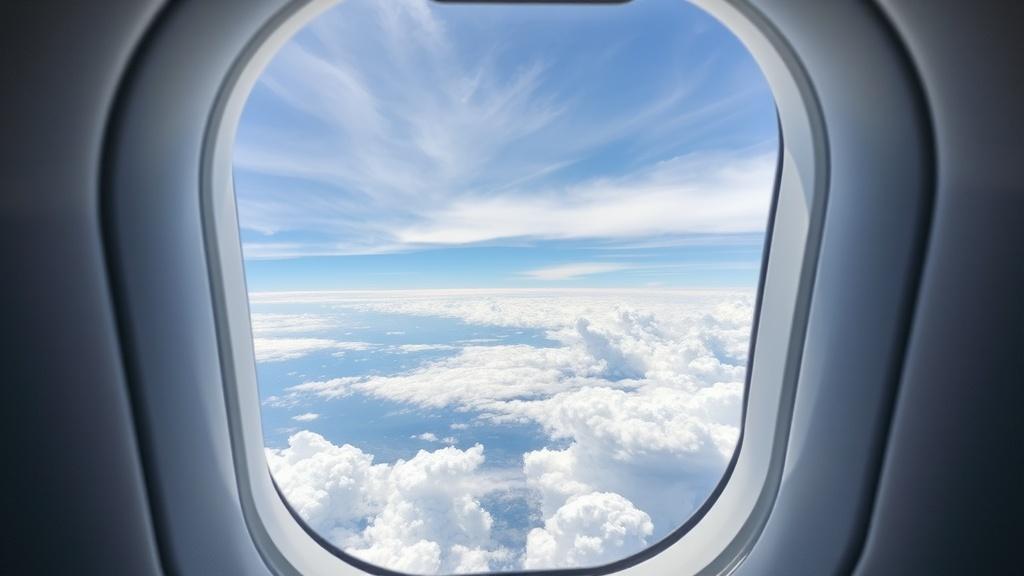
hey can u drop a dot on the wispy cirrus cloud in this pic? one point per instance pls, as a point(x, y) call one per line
point(574, 270)
point(700, 193)
point(385, 128)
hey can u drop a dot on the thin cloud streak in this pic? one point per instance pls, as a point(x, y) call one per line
point(416, 143)
point(574, 270)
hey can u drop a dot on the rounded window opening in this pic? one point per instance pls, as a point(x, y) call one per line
point(502, 264)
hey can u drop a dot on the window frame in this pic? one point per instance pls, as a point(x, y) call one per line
point(723, 531)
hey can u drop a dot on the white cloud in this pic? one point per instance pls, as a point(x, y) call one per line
point(645, 387)
point(408, 348)
point(554, 475)
point(446, 128)
point(686, 340)
point(280, 349)
point(699, 193)
point(421, 515)
point(588, 530)
point(423, 141)
point(265, 324)
point(306, 417)
point(661, 448)
point(431, 437)
point(575, 270)
point(428, 503)
point(333, 388)
point(653, 420)
point(479, 376)
point(331, 487)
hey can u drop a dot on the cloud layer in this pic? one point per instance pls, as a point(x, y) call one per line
point(640, 401)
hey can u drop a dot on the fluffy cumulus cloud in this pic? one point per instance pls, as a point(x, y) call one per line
point(331, 487)
point(640, 400)
point(421, 515)
point(588, 530)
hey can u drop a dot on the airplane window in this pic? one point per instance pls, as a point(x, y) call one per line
point(502, 264)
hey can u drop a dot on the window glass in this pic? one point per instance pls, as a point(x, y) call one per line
point(502, 262)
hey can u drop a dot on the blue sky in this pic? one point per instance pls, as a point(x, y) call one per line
point(404, 169)
point(421, 145)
